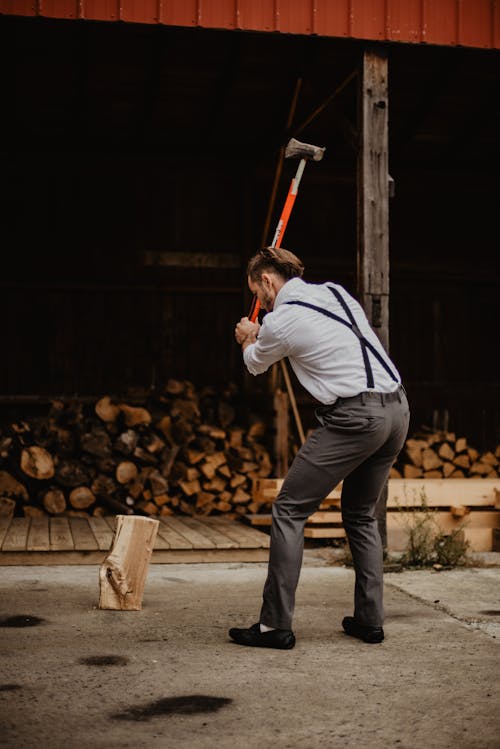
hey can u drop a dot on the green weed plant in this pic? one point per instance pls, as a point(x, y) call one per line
point(427, 544)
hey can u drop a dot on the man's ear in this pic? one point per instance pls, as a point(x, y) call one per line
point(266, 280)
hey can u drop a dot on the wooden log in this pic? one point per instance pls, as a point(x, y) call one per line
point(190, 487)
point(430, 460)
point(97, 443)
point(134, 416)
point(30, 511)
point(106, 410)
point(460, 445)
point(448, 469)
point(462, 461)
point(54, 501)
point(241, 497)
point(157, 483)
point(126, 442)
point(11, 487)
point(122, 575)
point(446, 452)
point(217, 484)
point(126, 471)
point(71, 473)
point(411, 472)
point(7, 507)
point(37, 463)
point(81, 497)
point(489, 458)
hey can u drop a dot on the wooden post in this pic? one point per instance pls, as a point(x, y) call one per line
point(281, 405)
point(373, 206)
point(122, 575)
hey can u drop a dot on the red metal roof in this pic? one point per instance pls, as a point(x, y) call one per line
point(470, 23)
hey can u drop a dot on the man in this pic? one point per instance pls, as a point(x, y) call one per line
point(363, 417)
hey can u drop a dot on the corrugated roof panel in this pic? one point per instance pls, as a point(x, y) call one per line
point(294, 17)
point(256, 14)
point(404, 20)
point(475, 18)
point(368, 19)
point(100, 10)
point(179, 13)
point(472, 23)
point(439, 22)
point(57, 8)
point(17, 7)
point(330, 16)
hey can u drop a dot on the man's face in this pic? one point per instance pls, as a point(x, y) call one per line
point(264, 291)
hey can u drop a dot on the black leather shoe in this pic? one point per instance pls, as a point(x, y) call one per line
point(283, 639)
point(362, 631)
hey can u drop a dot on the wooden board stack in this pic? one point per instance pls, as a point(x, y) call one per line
point(471, 504)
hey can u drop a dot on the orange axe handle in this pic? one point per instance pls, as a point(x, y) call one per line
point(280, 229)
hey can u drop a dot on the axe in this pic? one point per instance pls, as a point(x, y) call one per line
point(294, 150)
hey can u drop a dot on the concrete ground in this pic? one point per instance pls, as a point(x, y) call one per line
point(169, 676)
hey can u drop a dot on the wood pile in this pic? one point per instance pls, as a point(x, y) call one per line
point(177, 452)
point(444, 455)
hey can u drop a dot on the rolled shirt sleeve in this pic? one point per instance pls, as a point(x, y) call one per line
point(269, 348)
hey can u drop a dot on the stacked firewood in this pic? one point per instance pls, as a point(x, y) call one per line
point(444, 455)
point(179, 451)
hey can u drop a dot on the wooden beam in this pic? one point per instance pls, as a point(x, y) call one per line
point(373, 193)
point(373, 207)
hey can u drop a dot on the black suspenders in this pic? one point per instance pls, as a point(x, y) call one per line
point(364, 342)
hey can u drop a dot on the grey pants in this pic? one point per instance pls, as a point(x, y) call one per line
point(357, 442)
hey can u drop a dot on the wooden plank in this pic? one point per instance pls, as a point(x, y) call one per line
point(261, 519)
point(325, 517)
point(197, 540)
point(176, 540)
point(161, 542)
point(48, 558)
point(111, 521)
point(17, 535)
point(443, 492)
point(102, 532)
point(320, 532)
point(211, 531)
point(166, 556)
point(60, 535)
point(266, 490)
point(407, 492)
point(316, 517)
point(480, 539)
point(4, 527)
point(245, 537)
point(83, 538)
point(446, 520)
point(38, 536)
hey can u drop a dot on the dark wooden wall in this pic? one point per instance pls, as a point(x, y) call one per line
point(83, 312)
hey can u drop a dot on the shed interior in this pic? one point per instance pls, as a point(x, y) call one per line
point(138, 163)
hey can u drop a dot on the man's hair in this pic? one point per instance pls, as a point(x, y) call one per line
point(277, 260)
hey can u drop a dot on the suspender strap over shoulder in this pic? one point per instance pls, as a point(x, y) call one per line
point(365, 344)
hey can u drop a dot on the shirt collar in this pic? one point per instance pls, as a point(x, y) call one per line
point(288, 291)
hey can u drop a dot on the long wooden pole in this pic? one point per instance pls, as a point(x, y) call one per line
point(373, 207)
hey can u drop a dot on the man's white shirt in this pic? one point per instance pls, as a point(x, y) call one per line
point(325, 355)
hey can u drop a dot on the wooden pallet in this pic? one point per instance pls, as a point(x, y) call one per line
point(471, 503)
point(71, 540)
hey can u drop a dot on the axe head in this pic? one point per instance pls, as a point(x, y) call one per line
point(297, 150)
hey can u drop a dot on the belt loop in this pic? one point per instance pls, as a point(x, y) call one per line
point(363, 398)
point(399, 393)
point(382, 399)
